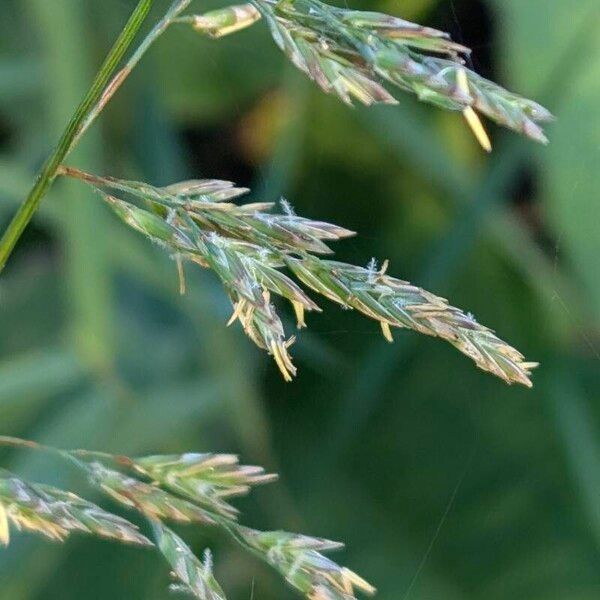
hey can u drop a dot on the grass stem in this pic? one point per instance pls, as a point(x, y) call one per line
point(72, 133)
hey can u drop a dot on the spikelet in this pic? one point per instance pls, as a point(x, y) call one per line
point(198, 484)
point(4, 526)
point(396, 303)
point(148, 499)
point(221, 22)
point(207, 479)
point(301, 561)
point(193, 576)
point(56, 514)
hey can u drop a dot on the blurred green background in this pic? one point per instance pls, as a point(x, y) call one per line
point(444, 483)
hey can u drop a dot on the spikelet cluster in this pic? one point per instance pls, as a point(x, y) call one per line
point(349, 53)
point(397, 303)
point(247, 246)
point(209, 479)
point(190, 488)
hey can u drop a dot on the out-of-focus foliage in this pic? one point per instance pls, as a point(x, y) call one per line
point(443, 482)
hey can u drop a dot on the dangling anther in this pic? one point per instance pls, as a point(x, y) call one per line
point(181, 275)
point(470, 115)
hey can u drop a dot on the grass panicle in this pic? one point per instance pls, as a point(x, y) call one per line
point(260, 255)
point(349, 53)
point(247, 247)
point(187, 488)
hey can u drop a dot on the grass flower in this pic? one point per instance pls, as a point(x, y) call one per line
point(351, 53)
point(347, 53)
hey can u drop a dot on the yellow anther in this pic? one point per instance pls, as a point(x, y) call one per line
point(4, 526)
point(299, 310)
point(387, 332)
point(470, 115)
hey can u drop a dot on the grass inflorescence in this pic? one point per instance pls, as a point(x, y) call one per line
point(260, 255)
point(351, 54)
point(188, 488)
point(255, 253)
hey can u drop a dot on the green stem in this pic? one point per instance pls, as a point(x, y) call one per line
point(13, 442)
point(94, 96)
point(171, 16)
point(70, 456)
point(6, 440)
